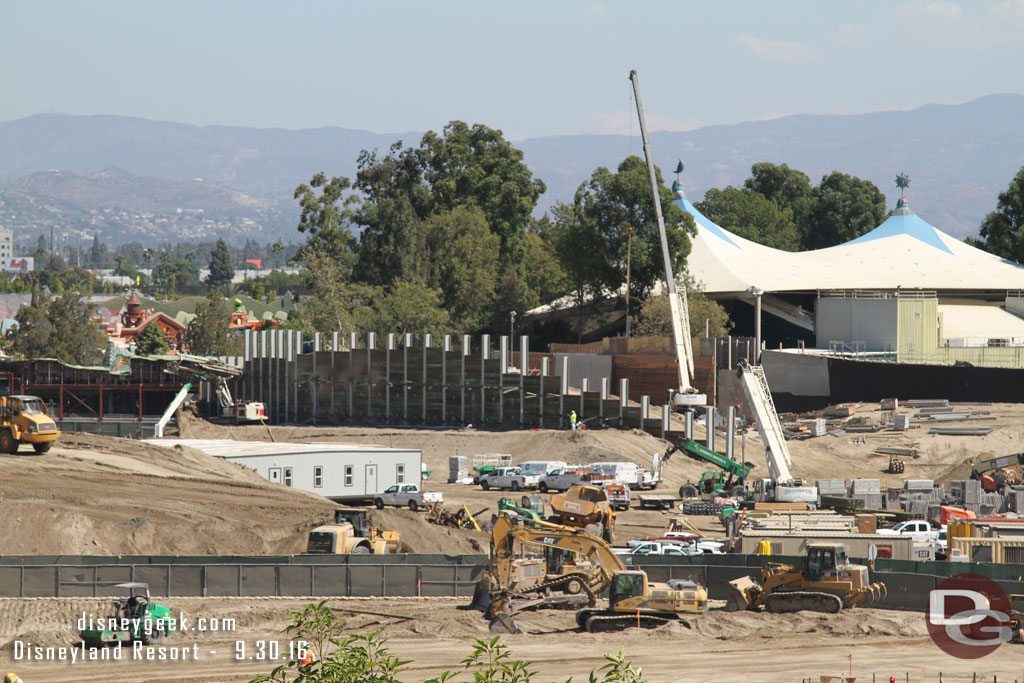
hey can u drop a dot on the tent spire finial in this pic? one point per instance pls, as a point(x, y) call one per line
point(902, 182)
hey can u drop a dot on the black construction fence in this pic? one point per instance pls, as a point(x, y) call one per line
point(908, 583)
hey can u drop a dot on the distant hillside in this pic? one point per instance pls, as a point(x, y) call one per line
point(959, 157)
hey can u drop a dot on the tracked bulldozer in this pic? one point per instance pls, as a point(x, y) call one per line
point(826, 582)
point(573, 568)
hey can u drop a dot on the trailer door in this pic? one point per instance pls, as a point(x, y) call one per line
point(371, 479)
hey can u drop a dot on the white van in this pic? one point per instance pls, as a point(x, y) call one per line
point(541, 467)
point(627, 473)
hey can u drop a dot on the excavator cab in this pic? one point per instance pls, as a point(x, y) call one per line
point(626, 585)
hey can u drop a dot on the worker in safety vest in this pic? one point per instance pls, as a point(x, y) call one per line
point(307, 658)
point(572, 419)
point(13, 678)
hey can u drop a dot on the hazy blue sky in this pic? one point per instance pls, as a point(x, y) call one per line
point(530, 68)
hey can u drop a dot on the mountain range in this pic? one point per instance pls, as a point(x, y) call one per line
point(104, 174)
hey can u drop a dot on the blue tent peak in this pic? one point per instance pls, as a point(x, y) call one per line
point(703, 221)
point(904, 221)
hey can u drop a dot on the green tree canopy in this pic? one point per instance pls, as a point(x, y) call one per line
point(326, 216)
point(60, 328)
point(1002, 231)
point(706, 315)
point(461, 254)
point(221, 269)
point(404, 307)
point(753, 216)
point(545, 276)
point(208, 333)
point(845, 207)
point(176, 274)
point(477, 165)
point(151, 342)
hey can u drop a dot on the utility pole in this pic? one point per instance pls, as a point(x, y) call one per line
point(51, 247)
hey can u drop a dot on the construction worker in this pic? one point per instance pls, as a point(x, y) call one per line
point(13, 678)
point(572, 420)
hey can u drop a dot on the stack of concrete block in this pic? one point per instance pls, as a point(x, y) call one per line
point(918, 484)
point(831, 487)
point(967, 494)
point(901, 421)
point(1013, 500)
point(867, 490)
point(458, 468)
point(989, 504)
point(892, 498)
point(819, 427)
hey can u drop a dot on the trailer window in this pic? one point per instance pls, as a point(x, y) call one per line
point(348, 475)
point(400, 474)
point(287, 476)
point(318, 476)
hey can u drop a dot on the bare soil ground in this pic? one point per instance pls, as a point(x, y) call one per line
point(96, 495)
point(437, 635)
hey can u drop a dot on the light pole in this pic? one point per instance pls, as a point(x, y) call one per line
point(756, 293)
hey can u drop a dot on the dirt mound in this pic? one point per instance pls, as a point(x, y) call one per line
point(420, 536)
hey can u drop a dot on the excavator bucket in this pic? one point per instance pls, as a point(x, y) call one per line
point(503, 623)
point(742, 596)
point(482, 593)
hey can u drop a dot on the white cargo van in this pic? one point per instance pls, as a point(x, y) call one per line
point(627, 473)
point(541, 467)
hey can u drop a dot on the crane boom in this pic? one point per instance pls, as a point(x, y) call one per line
point(677, 303)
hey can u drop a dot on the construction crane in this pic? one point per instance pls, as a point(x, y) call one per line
point(997, 473)
point(218, 374)
point(686, 394)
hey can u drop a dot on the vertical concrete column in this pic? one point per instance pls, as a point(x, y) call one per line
point(623, 400)
point(406, 343)
point(503, 364)
point(730, 431)
point(583, 392)
point(314, 377)
point(544, 369)
point(446, 346)
point(728, 352)
point(564, 389)
point(317, 342)
point(666, 417)
point(297, 349)
point(426, 349)
point(485, 352)
point(272, 381)
point(688, 422)
point(604, 396)
point(709, 424)
point(462, 379)
point(524, 368)
point(289, 351)
point(371, 342)
point(387, 381)
point(645, 407)
point(352, 339)
point(334, 373)
point(246, 357)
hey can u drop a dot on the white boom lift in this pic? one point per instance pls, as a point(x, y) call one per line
point(686, 395)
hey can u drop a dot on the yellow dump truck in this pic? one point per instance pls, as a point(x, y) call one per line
point(23, 419)
point(352, 533)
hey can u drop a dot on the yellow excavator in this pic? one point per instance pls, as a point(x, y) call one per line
point(585, 564)
point(827, 582)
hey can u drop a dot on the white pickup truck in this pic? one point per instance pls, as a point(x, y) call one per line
point(409, 495)
point(920, 530)
point(509, 478)
point(655, 548)
point(561, 480)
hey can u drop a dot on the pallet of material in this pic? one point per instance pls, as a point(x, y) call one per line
point(839, 411)
point(960, 431)
point(658, 501)
point(780, 506)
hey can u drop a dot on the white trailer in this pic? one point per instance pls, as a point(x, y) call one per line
point(340, 472)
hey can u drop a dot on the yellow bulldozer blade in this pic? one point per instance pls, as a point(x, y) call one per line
point(742, 594)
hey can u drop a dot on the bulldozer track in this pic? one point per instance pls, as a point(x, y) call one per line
point(562, 581)
point(797, 601)
point(596, 622)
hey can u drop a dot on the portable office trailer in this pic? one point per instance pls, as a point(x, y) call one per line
point(795, 544)
point(340, 472)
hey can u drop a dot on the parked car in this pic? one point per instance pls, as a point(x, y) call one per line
point(541, 467)
point(618, 495)
point(407, 495)
point(615, 472)
point(509, 478)
point(654, 548)
point(562, 479)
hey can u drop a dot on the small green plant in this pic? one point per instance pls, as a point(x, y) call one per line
point(364, 658)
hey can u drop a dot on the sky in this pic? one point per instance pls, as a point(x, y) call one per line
point(530, 68)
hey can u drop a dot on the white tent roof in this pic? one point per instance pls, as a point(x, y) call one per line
point(904, 251)
point(979, 322)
